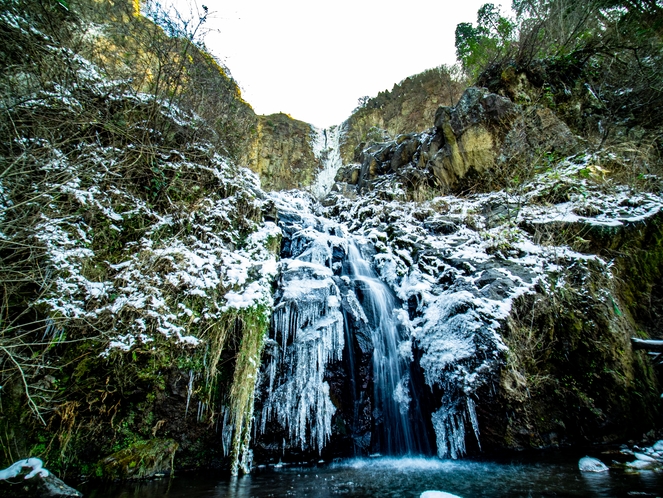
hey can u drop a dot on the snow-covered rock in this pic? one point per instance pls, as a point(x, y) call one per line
point(589, 464)
point(37, 482)
point(643, 465)
point(437, 494)
point(644, 457)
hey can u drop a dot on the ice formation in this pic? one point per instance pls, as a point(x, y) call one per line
point(327, 149)
point(307, 334)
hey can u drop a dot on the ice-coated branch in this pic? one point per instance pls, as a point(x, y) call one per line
point(31, 463)
point(647, 344)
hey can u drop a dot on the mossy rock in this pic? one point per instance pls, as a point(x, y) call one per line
point(140, 461)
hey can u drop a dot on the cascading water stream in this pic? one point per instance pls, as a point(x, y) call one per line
point(347, 365)
point(398, 424)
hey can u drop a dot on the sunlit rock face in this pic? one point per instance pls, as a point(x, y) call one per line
point(474, 144)
point(281, 153)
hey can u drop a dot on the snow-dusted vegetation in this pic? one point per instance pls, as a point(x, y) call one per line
point(126, 234)
point(455, 291)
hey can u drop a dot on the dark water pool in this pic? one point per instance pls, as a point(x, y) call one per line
point(548, 476)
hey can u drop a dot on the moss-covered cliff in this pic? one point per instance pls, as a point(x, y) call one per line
point(145, 264)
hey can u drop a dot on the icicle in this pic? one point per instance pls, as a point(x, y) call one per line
point(471, 410)
point(226, 431)
point(307, 328)
point(449, 425)
point(189, 391)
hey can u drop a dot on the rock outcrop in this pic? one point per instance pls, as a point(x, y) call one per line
point(409, 107)
point(477, 144)
point(281, 153)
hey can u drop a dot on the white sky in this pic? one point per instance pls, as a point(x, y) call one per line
point(313, 60)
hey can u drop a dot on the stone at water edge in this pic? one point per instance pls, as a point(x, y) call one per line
point(658, 445)
point(141, 460)
point(437, 494)
point(643, 457)
point(643, 465)
point(589, 464)
point(17, 482)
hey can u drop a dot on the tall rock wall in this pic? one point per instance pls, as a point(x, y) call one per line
point(476, 144)
point(409, 107)
point(280, 151)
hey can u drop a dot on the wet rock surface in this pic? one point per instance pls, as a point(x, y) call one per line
point(28, 479)
point(37, 487)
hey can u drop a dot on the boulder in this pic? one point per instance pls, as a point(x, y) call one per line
point(643, 457)
point(140, 461)
point(37, 487)
point(28, 479)
point(589, 464)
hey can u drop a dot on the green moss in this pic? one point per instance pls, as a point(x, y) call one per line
point(570, 348)
point(254, 322)
point(138, 461)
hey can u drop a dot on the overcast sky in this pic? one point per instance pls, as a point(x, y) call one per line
point(313, 60)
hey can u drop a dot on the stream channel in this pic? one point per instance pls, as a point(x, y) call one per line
point(539, 474)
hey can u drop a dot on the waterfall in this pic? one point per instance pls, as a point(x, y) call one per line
point(398, 423)
point(323, 278)
point(327, 149)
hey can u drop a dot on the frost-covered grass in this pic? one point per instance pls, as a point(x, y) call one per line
point(129, 240)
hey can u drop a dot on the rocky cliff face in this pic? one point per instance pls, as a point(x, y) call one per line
point(476, 144)
point(566, 336)
point(281, 152)
point(510, 308)
point(408, 108)
point(126, 45)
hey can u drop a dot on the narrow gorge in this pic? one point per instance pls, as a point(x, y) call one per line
point(456, 271)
